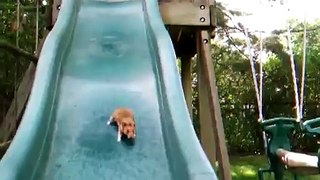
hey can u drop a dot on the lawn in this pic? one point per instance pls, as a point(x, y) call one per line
point(246, 168)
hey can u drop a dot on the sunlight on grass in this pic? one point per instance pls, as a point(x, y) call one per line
point(233, 174)
point(247, 170)
point(242, 170)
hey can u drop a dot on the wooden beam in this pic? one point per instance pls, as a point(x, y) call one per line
point(294, 159)
point(20, 52)
point(184, 41)
point(9, 124)
point(206, 65)
point(213, 14)
point(186, 78)
point(56, 5)
point(206, 132)
point(299, 163)
point(185, 13)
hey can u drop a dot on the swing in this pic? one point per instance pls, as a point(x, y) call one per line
point(277, 131)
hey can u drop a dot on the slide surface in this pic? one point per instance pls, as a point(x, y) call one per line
point(99, 56)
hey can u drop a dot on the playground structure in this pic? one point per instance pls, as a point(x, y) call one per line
point(278, 131)
point(80, 50)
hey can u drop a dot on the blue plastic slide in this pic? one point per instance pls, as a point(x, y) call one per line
point(101, 55)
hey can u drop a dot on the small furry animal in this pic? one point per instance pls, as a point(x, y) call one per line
point(124, 117)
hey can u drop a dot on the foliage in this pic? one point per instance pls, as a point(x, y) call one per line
point(237, 94)
point(12, 67)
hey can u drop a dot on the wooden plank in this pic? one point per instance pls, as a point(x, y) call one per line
point(16, 109)
point(185, 13)
point(206, 132)
point(206, 66)
point(186, 78)
point(14, 50)
point(303, 164)
point(213, 14)
point(9, 124)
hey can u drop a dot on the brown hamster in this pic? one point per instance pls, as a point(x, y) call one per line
point(124, 117)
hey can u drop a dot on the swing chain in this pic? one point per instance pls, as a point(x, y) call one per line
point(255, 81)
point(37, 26)
point(15, 64)
point(303, 73)
point(293, 73)
point(298, 102)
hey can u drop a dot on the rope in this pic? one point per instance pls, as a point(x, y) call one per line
point(37, 26)
point(260, 93)
point(294, 78)
point(253, 74)
point(18, 23)
point(261, 119)
point(303, 71)
point(260, 79)
point(16, 66)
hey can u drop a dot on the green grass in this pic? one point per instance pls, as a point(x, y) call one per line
point(246, 168)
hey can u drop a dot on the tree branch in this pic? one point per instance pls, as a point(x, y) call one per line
point(278, 32)
point(21, 52)
point(232, 42)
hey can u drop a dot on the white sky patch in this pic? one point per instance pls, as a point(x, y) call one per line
point(267, 18)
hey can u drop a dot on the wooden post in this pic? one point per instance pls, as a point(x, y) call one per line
point(56, 5)
point(206, 66)
point(206, 132)
point(186, 78)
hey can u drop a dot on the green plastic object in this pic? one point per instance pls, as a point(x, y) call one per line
point(99, 56)
point(278, 132)
point(312, 128)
